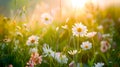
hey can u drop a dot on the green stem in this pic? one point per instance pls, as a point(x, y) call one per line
point(78, 42)
point(93, 45)
point(74, 42)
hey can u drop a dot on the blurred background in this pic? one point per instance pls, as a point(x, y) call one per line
point(7, 7)
point(31, 10)
point(27, 13)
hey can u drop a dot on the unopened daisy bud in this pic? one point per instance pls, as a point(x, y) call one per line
point(72, 52)
point(57, 28)
point(18, 27)
point(25, 25)
point(64, 27)
point(19, 34)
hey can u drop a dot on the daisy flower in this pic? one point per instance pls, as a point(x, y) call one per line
point(104, 46)
point(32, 40)
point(72, 52)
point(46, 18)
point(47, 51)
point(91, 34)
point(86, 45)
point(79, 30)
point(61, 58)
point(99, 64)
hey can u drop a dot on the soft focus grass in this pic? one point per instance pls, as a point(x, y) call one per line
point(16, 52)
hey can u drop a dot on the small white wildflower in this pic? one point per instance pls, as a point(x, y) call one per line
point(86, 45)
point(46, 18)
point(47, 51)
point(32, 40)
point(99, 64)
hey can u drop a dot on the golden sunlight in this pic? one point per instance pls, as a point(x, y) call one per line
point(78, 3)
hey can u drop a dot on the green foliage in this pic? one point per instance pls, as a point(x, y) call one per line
point(16, 52)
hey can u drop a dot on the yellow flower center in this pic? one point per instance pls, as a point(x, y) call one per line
point(86, 46)
point(32, 41)
point(46, 19)
point(79, 29)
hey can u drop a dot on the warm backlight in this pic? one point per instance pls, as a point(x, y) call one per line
point(78, 3)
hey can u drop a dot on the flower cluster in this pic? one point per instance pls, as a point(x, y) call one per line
point(81, 30)
point(69, 44)
point(34, 59)
point(59, 57)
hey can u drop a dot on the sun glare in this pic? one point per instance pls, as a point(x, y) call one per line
point(78, 3)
